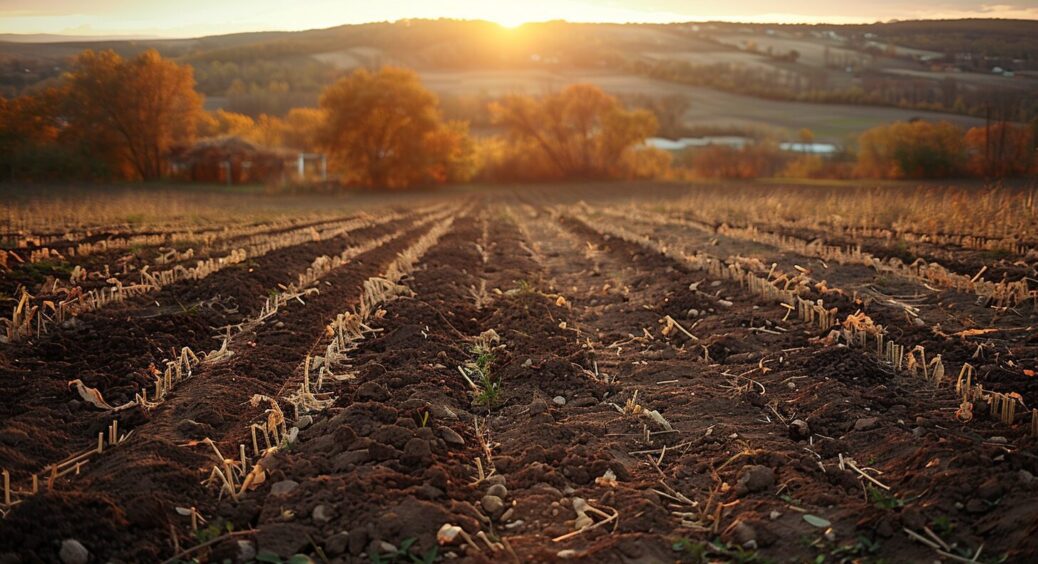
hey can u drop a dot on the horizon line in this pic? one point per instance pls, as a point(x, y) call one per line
point(100, 36)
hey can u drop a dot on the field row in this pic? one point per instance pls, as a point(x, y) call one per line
point(527, 379)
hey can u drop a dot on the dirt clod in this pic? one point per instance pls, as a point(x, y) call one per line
point(754, 478)
point(866, 423)
point(336, 544)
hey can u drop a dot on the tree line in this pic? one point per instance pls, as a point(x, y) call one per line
point(901, 150)
point(111, 117)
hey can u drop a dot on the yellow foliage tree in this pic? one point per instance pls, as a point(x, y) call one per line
point(582, 131)
point(221, 122)
point(384, 129)
point(141, 106)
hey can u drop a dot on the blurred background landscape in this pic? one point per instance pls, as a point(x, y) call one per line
point(726, 99)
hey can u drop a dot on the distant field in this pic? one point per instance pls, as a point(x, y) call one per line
point(1021, 81)
point(830, 122)
point(812, 52)
point(714, 57)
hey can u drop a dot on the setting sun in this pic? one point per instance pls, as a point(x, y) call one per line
point(511, 16)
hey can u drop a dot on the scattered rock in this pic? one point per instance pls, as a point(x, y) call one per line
point(527, 363)
point(1025, 476)
point(442, 412)
point(246, 551)
point(744, 533)
point(496, 479)
point(499, 490)
point(799, 430)
point(866, 423)
point(283, 487)
point(451, 437)
point(336, 544)
point(492, 504)
point(73, 552)
point(304, 422)
point(998, 440)
point(692, 313)
point(558, 400)
point(991, 489)
point(565, 554)
point(322, 514)
point(586, 401)
point(538, 406)
point(754, 478)
point(447, 533)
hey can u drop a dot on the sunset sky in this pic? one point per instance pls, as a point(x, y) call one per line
point(183, 18)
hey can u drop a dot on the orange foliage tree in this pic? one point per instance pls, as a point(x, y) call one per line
point(918, 149)
point(298, 130)
point(384, 129)
point(1000, 150)
point(581, 132)
point(221, 123)
point(140, 107)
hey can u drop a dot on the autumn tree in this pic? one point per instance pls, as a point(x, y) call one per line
point(384, 129)
point(918, 149)
point(141, 107)
point(301, 128)
point(581, 131)
point(1000, 150)
point(35, 143)
point(221, 123)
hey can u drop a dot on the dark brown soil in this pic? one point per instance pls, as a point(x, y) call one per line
point(751, 459)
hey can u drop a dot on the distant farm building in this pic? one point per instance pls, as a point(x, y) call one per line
point(228, 160)
point(697, 142)
point(736, 142)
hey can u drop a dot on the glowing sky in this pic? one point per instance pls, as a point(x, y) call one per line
point(181, 18)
